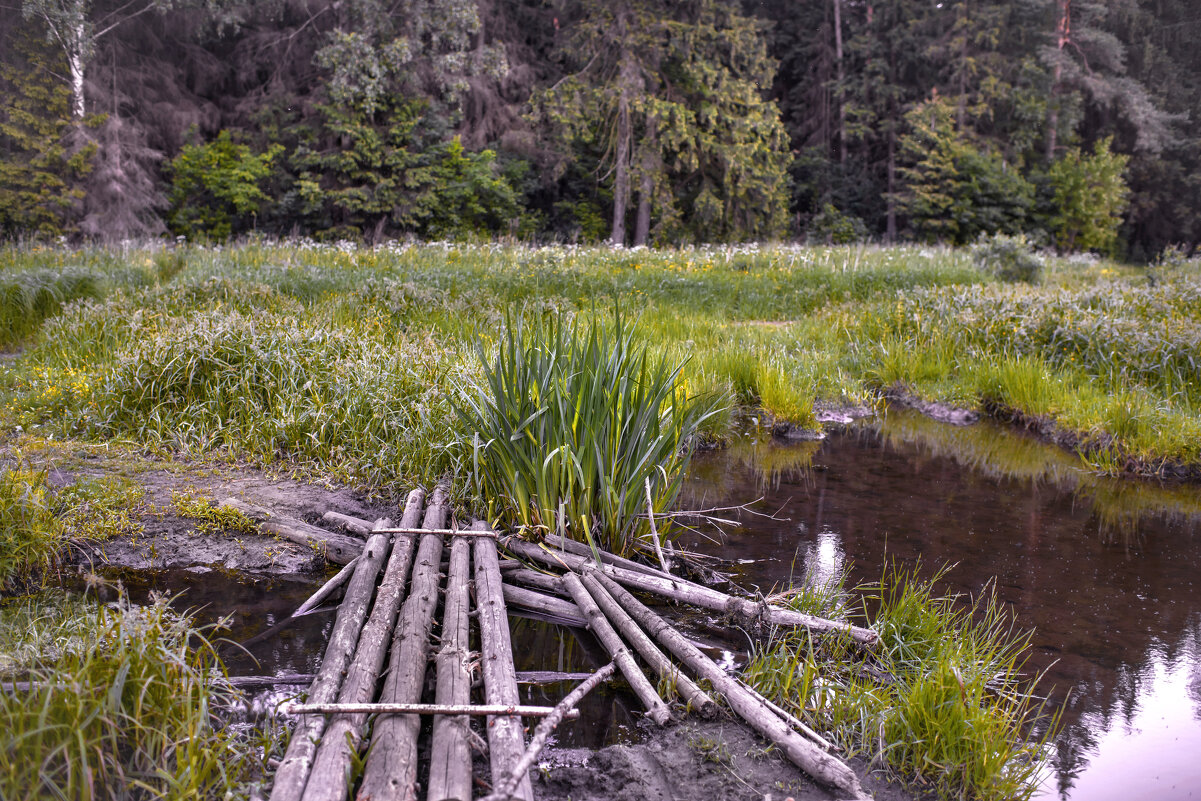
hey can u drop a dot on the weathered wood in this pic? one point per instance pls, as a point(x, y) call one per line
point(506, 741)
point(822, 767)
point(694, 696)
point(354, 525)
point(391, 769)
point(688, 592)
point(561, 611)
point(791, 719)
point(600, 627)
point(468, 533)
point(548, 676)
point(650, 518)
point(441, 710)
point(450, 757)
point(252, 682)
point(293, 772)
point(327, 589)
point(544, 582)
point(335, 547)
point(562, 710)
point(332, 766)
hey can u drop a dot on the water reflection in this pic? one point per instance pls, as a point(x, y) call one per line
point(1105, 570)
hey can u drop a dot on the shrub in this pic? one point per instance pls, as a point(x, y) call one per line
point(1008, 258)
point(569, 424)
point(833, 227)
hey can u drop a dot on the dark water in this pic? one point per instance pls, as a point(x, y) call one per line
point(1107, 572)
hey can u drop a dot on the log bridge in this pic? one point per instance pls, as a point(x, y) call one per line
point(366, 696)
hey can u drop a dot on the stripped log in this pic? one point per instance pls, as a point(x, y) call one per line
point(337, 548)
point(791, 719)
point(506, 742)
point(439, 710)
point(333, 765)
point(544, 582)
point(609, 639)
point(694, 696)
point(327, 589)
point(581, 549)
point(450, 757)
point(695, 594)
point(548, 676)
point(255, 682)
point(562, 710)
point(391, 769)
point(354, 525)
point(822, 767)
point(293, 772)
point(555, 609)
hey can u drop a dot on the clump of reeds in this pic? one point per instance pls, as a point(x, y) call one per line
point(30, 536)
point(120, 705)
point(941, 700)
point(569, 424)
point(29, 297)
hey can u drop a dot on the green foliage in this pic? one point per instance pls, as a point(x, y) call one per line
point(39, 174)
point(216, 187)
point(569, 424)
point(956, 714)
point(1090, 194)
point(832, 227)
point(100, 508)
point(30, 537)
point(372, 175)
point(122, 707)
point(1008, 258)
point(954, 192)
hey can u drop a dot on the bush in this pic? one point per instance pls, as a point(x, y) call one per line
point(571, 423)
point(1008, 258)
point(833, 227)
point(215, 187)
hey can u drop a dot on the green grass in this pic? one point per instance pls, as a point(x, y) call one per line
point(574, 424)
point(122, 705)
point(955, 714)
point(31, 538)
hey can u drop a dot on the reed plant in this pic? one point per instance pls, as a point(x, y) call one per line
point(121, 705)
point(954, 713)
point(570, 424)
point(30, 536)
point(30, 296)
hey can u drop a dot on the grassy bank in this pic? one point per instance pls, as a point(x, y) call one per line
point(343, 360)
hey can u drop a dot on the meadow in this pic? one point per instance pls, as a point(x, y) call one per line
point(389, 366)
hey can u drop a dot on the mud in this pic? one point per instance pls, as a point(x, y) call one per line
point(691, 760)
point(168, 541)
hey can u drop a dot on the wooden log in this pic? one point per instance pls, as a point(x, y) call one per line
point(391, 769)
point(327, 589)
point(293, 772)
point(822, 767)
point(469, 533)
point(562, 710)
point(580, 549)
point(561, 611)
point(354, 525)
point(791, 719)
point(333, 764)
point(506, 742)
point(544, 582)
point(440, 710)
point(337, 548)
point(694, 696)
point(254, 682)
point(450, 756)
point(548, 676)
point(688, 592)
point(609, 639)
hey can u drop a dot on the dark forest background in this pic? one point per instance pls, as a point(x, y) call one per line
point(1072, 123)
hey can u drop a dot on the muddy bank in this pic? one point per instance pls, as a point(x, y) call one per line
point(169, 541)
point(694, 759)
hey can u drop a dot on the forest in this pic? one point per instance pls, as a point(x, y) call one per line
point(1069, 122)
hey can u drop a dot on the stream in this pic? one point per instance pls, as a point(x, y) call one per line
point(1105, 571)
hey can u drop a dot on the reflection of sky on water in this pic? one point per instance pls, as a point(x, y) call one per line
point(1107, 572)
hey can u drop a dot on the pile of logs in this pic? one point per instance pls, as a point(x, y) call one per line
point(570, 586)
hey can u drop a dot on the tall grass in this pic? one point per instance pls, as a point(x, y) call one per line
point(30, 536)
point(953, 711)
point(27, 298)
point(121, 706)
point(571, 422)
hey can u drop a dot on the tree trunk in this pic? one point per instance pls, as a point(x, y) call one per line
point(624, 136)
point(1063, 33)
point(841, 74)
point(650, 158)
